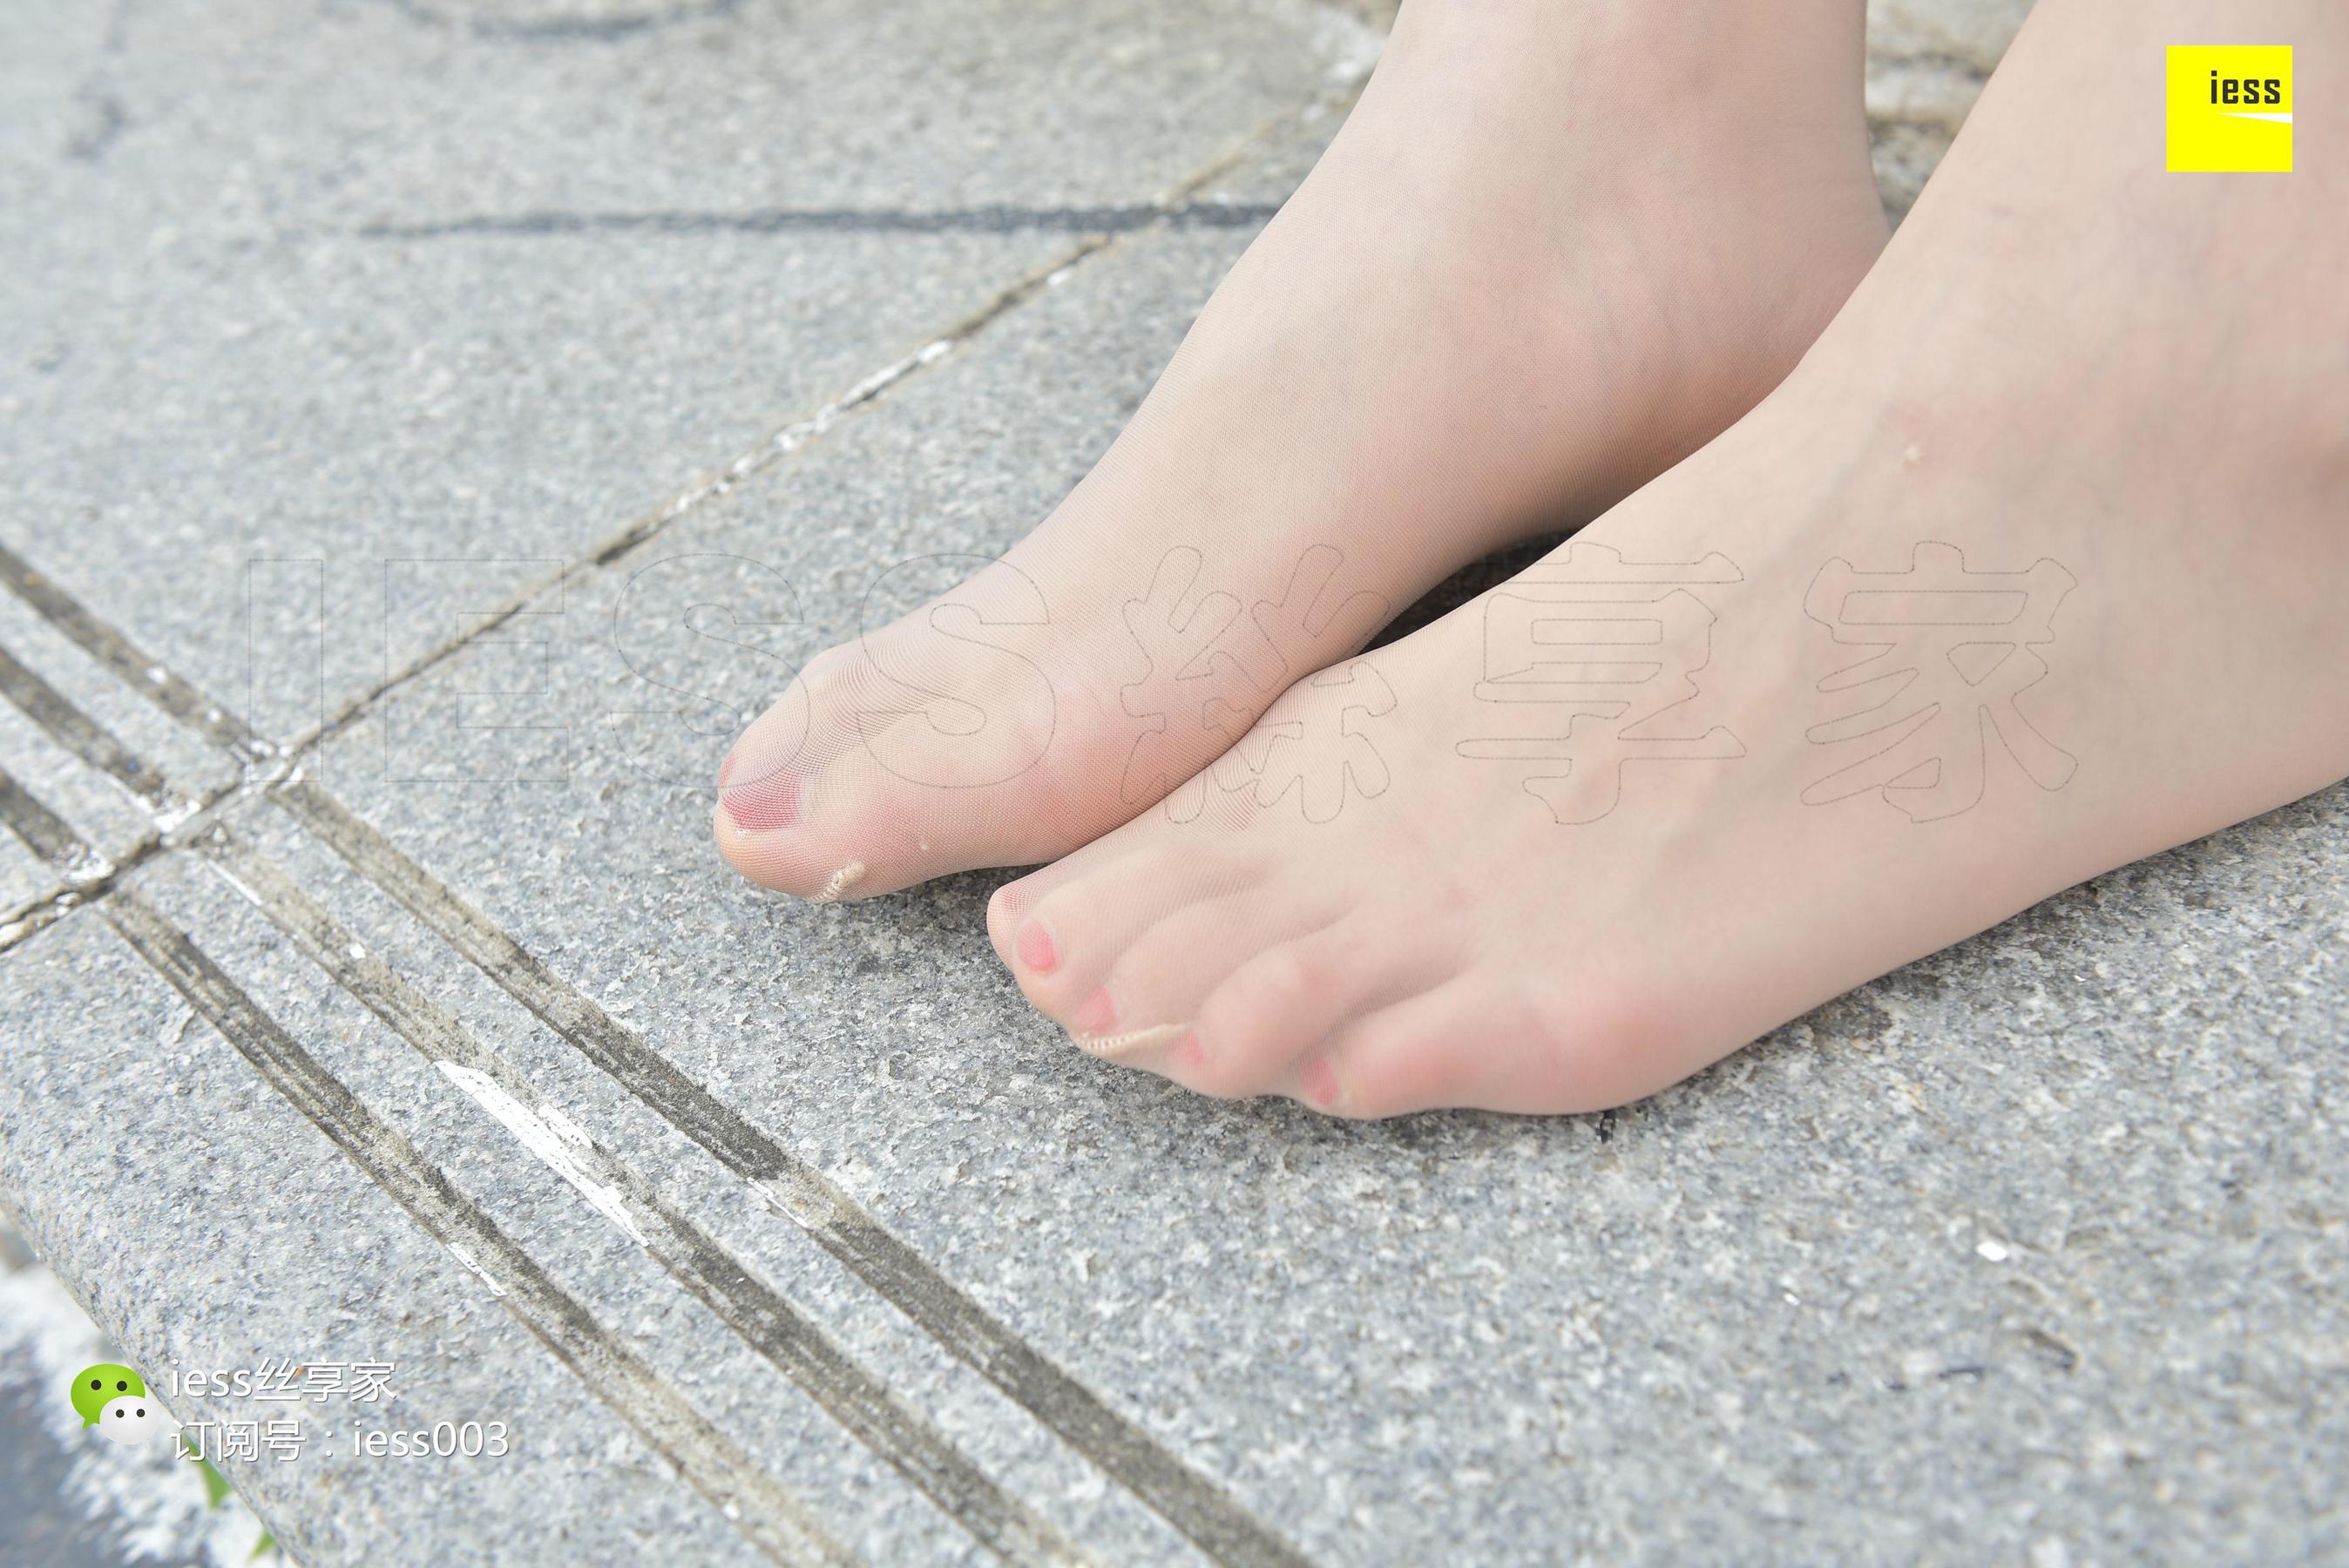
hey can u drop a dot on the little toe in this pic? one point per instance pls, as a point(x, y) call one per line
point(1479, 1041)
point(1256, 1027)
point(1412, 1055)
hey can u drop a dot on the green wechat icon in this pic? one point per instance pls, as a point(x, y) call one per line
point(113, 1398)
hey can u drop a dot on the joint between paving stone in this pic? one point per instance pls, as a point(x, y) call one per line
point(794, 436)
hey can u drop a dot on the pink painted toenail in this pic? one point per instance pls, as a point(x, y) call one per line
point(1320, 1081)
point(764, 805)
point(1188, 1052)
point(1096, 1015)
point(1036, 949)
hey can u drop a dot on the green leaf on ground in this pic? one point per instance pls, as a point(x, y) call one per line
point(216, 1487)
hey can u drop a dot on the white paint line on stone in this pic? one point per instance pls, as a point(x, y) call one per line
point(463, 1257)
point(564, 1126)
point(531, 1128)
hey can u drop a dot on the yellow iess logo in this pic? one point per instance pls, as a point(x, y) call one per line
point(2231, 109)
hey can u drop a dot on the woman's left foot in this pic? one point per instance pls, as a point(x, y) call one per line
point(1555, 249)
point(2020, 577)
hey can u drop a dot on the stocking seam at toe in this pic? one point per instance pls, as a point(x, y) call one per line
point(1112, 1046)
point(847, 877)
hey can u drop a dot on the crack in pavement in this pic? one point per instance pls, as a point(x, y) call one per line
point(1000, 219)
point(561, 29)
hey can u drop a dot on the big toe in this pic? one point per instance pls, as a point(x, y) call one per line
point(845, 789)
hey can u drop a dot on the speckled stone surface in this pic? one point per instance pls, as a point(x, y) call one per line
point(2029, 1252)
point(207, 1227)
point(1934, 1272)
point(358, 285)
point(1926, 62)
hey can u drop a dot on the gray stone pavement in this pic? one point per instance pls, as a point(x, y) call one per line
point(444, 1041)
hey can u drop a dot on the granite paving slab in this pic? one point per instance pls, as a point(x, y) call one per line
point(1937, 1264)
point(207, 1224)
point(307, 298)
point(812, 1238)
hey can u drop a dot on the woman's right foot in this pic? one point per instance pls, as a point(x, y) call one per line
point(1553, 251)
point(2035, 567)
